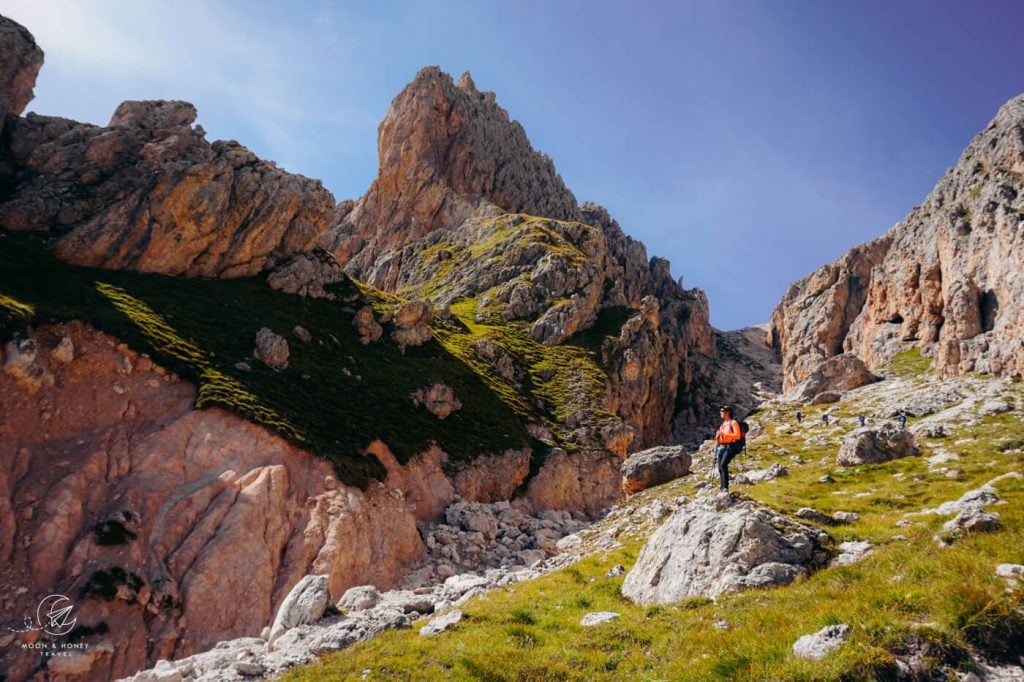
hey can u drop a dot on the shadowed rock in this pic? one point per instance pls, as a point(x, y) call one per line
point(20, 61)
point(655, 466)
point(869, 445)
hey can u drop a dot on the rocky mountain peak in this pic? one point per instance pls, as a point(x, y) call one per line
point(945, 280)
point(445, 151)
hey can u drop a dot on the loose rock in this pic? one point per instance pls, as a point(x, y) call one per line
point(271, 349)
point(818, 645)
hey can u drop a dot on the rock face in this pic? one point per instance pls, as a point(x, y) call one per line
point(946, 279)
point(463, 208)
point(188, 527)
point(653, 467)
point(868, 445)
point(703, 551)
point(20, 60)
point(149, 193)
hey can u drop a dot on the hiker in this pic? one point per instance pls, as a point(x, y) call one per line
point(728, 437)
point(799, 417)
point(861, 419)
point(824, 418)
point(902, 419)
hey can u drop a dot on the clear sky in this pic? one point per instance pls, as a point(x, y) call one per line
point(747, 142)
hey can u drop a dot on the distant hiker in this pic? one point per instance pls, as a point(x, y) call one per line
point(861, 420)
point(824, 418)
point(799, 417)
point(902, 419)
point(730, 441)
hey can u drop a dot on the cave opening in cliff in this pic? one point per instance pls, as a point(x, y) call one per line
point(896, 319)
point(989, 305)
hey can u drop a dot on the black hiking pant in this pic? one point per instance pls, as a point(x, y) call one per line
point(724, 455)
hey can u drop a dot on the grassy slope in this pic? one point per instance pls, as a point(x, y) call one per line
point(335, 397)
point(906, 591)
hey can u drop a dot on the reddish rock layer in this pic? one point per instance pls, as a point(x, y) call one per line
point(178, 528)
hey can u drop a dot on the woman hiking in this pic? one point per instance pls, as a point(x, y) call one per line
point(728, 437)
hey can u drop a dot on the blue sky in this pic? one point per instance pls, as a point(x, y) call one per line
point(747, 142)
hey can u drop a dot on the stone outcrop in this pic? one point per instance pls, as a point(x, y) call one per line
point(945, 280)
point(412, 323)
point(463, 207)
point(149, 193)
point(707, 549)
point(308, 274)
point(20, 60)
point(870, 445)
point(834, 376)
point(188, 527)
point(444, 149)
point(654, 466)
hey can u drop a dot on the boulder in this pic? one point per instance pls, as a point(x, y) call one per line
point(818, 645)
point(852, 552)
point(412, 323)
point(366, 325)
point(810, 514)
point(438, 625)
point(776, 470)
point(972, 520)
point(304, 604)
point(271, 349)
point(871, 445)
point(307, 275)
point(439, 399)
point(64, 353)
point(598, 618)
point(701, 551)
point(359, 598)
point(654, 466)
point(831, 379)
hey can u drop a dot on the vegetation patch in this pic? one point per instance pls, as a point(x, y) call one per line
point(559, 383)
point(909, 598)
point(335, 397)
point(909, 364)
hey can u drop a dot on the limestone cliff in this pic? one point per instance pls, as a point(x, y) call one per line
point(946, 280)
point(445, 149)
point(466, 213)
point(172, 528)
point(149, 193)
